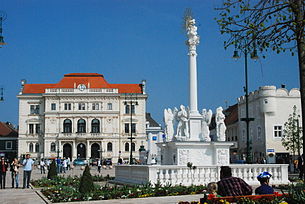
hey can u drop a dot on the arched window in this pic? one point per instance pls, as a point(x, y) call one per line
point(95, 126)
point(133, 147)
point(53, 147)
point(109, 147)
point(126, 147)
point(31, 147)
point(81, 126)
point(37, 147)
point(67, 126)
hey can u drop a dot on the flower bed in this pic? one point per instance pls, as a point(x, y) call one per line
point(66, 189)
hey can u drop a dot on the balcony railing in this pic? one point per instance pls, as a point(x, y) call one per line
point(71, 90)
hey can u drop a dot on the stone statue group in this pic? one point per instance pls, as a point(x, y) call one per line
point(181, 118)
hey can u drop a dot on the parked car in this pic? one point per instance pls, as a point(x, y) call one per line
point(93, 162)
point(80, 162)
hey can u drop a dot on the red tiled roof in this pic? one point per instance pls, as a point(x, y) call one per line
point(232, 115)
point(7, 131)
point(91, 80)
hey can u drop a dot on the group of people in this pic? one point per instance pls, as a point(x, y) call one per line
point(14, 165)
point(234, 186)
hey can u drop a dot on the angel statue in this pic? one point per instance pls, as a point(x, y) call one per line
point(205, 122)
point(182, 127)
point(169, 125)
point(220, 125)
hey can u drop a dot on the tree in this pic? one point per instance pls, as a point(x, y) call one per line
point(267, 24)
point(86, 182)
point(52, 173)
point(292, 139)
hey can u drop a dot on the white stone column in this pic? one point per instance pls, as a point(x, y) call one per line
point(193, 82)
point(88, 155)
point(74, 150)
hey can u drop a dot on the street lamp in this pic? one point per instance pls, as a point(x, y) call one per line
point(247, 119)
point(130, 102)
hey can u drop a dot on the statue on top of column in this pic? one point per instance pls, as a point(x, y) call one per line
point(193, 37)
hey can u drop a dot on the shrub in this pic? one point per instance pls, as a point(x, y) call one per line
point(52, 173)
point(86, 182)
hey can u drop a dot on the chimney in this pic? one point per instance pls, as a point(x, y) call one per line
point(283, 86)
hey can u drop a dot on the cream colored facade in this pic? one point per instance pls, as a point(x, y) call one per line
point(81, 122)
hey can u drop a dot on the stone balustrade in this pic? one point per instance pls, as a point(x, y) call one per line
point(175, 175)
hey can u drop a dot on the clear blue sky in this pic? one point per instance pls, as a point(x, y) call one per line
point(127, 41)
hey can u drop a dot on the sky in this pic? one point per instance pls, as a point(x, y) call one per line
point(128, 41)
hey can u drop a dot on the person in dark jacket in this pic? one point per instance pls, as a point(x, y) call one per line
point(264, 178)
point(3, 170)
point(232, 186)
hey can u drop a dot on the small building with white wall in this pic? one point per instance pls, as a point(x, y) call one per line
point(270, 107)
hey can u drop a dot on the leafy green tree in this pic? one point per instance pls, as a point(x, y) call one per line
point(266, 24)
point(52, 173)
point(86, 182)
point(292, 139)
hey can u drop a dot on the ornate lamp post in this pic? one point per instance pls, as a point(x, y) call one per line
point(247, 119)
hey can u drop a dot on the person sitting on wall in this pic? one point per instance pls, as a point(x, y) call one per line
point(232, 186)
point(264, 178)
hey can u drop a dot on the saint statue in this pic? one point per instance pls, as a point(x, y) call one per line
point(182, 127)
point(205, 122)
point(220, 125)
point(169, 124)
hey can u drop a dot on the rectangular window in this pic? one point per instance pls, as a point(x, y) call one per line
point(34, 109)
point(37, 128)
point(31, 128)
point(8, 145)
point(109, 106)
point(67, 106)
point(133, 128)
point(127, 109)
point(81, 106)
point(277, 129)
point(126, 128)
point(53, 106)
point(95, 106)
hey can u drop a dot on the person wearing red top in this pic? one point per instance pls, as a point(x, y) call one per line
point(232, 186)
point(3, 170)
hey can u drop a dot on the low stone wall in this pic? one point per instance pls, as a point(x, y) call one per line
point(175, 175)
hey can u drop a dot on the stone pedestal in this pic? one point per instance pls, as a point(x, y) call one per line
point(199, 153)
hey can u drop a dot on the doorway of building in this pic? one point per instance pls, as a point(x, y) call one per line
point(67, 151)
point(95, 151)
point(81, 151)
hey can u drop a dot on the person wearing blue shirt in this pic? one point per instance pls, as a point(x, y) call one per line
point(264, 178)
point(27, 169)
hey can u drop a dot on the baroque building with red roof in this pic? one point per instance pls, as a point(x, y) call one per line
point(82, 116)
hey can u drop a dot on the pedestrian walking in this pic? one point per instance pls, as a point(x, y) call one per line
point(64, 165)
point(42, 166)
point(68, 163)
point(99, 166)
point(15, 172)
point(3, 170)
point(27, 170)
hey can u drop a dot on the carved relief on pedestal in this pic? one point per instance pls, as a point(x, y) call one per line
point(183, 156)
point(222, 156)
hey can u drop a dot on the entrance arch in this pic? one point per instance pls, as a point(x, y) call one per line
point(67, 151)
point(95, 151)
point(81, 151)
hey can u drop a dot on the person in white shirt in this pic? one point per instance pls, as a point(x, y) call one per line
point(42, 166)
point(27, 169)
point(64, 165)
